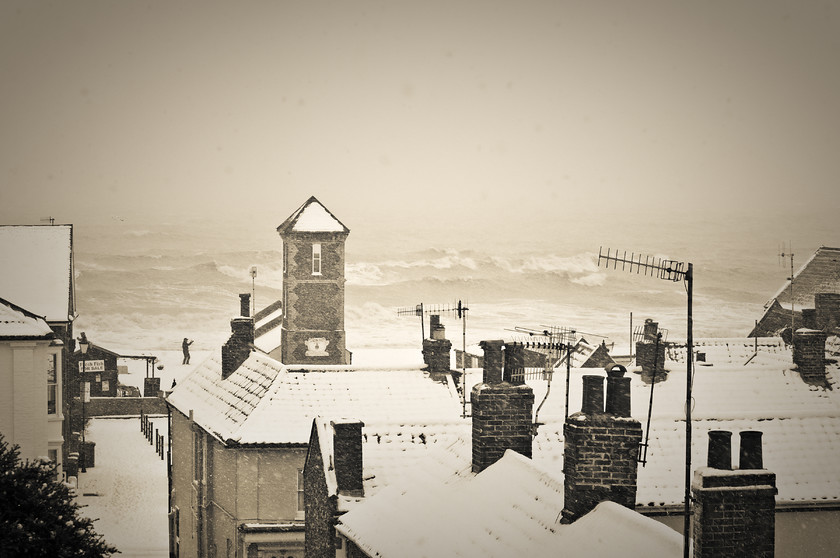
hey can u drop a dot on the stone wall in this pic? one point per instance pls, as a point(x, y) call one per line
point(124, 406)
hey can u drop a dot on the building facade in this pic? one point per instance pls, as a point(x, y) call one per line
point(31, 381)
point(313, 287)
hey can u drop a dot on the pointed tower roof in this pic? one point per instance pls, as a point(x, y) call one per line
point(312, 216)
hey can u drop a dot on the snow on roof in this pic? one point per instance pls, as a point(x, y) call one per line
point(16, 322)
point(37, 269)
point(312, 216)
point(265, 402)
point(802, 452)
point(801, 425)
point(724, 388)
point(820, 274)
point(512, 507)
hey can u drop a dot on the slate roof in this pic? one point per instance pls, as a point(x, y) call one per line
point(312, 216)
point(37, 270)
point(18, 323)
point(264, 402)
point(820, 274)
point(510, 508)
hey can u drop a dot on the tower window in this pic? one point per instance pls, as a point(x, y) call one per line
point(316, 259)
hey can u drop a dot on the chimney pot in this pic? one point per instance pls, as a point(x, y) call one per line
point(750, 456)
point(493, 360)
point(245, 305)
point(618, 396)
point(615, 371)
point(720, 450)
point(593, 395)
point(514, 369)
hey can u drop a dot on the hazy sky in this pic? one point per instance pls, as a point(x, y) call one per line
point(144, 110)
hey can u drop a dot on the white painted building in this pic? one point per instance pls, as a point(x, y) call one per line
point(31, 404)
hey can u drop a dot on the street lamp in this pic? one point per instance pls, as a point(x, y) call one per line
point(84, 344)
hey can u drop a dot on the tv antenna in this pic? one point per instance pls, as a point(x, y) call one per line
point(675, 271)
point(553, 340)
point(460, 309)
point(50, 220)
point(253, 273)
point(782, 256)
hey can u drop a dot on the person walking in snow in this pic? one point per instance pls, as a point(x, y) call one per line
point(186, 346)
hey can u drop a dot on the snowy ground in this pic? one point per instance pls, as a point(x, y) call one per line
point(126, 490)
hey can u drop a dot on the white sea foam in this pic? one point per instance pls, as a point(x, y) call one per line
point(158, 287)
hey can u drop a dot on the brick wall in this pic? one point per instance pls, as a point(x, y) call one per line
point(320, 507)
point(501, 419)
point(118, 406)
point(601, 453)
point(734, 510)
point(347, 456)
point(235, 351)
point(314, 304)
point(809, 353)
point(646, 353)
point(827, 309)
point(436, 354)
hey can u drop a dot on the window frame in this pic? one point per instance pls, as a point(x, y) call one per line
point(317, 259)
point(52, 384)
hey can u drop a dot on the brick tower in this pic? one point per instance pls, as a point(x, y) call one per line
point(313, 286)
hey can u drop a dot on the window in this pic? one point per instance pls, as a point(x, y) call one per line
point(316, 259)
point(52, 392)
point(52, 455)
point(300, 490)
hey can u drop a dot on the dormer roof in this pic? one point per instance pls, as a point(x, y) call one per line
point(312, 216)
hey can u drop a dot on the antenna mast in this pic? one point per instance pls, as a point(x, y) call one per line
point(461, 310)
point(672, 271)
point(782, 255)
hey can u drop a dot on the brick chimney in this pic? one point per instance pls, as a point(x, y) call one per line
point(502, 415)
point(245, 305)
point(235, 351)
point(347, 455)
point(436, 349)
point(734, 510)
point(809, 353)
point(650, 351)
point(827, 310)
point(601, 447)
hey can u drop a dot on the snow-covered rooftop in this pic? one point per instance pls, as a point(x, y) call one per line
point(800, 422)
point(510, 508)
point(16, 322)
point(37, 269)
point(312, 216)
point(265, 402)
point(819, 274)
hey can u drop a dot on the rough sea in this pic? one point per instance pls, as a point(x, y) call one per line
point(147, 286)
